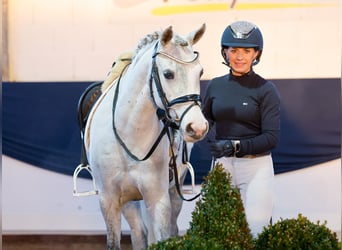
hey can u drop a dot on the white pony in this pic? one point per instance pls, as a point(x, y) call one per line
point(135, 130)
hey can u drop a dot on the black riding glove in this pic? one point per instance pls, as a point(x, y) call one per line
point(221, 148)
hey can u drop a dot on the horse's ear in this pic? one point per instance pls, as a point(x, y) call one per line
point(196, 35)
point(166, 36)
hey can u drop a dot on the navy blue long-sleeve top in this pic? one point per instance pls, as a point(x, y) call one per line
point(245, 108)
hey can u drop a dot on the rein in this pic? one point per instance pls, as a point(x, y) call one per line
point(163, 115)
point(154, 146)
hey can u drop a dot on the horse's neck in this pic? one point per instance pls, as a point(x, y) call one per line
point(134, 95)
point(135, 114)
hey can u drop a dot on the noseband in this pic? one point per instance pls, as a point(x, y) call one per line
point(164, 112)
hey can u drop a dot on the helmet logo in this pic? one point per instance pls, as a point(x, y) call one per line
point(242, 30)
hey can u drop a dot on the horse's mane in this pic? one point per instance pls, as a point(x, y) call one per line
point(149, 39)
point(128, 57)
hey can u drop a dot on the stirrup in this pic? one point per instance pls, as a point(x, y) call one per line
point(76, 172)
point(192, 174)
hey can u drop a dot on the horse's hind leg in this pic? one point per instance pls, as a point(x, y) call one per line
point(132, 213)
point(112, 215)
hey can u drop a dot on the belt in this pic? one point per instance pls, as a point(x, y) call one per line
point(255, 155)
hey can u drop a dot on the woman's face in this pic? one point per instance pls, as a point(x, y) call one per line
point(240, 59)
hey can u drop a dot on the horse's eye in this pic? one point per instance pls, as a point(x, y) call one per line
point(169, 74)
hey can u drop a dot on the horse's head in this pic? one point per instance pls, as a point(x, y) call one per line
point(176, 73)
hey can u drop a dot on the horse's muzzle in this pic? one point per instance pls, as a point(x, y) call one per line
point(195, 133)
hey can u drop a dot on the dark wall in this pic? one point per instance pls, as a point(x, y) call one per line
point(40, 125)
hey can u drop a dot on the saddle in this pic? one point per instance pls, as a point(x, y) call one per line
point(86, 102)
point(93, 92)
point(85, 105)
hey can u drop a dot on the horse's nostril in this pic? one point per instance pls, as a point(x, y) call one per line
point(189, 129)
point(195, 133)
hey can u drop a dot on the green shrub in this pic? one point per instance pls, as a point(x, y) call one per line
point(297, 234)
point(187, 242)
point(218, 220)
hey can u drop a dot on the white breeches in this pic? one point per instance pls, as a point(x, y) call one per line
point(254, 177)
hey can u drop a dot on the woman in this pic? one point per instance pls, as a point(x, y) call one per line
point(244, 111)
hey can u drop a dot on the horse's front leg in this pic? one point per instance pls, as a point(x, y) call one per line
point(158, 207)
point(176, 206)
point(112, 215)
point(132, 213)
point(176, 200)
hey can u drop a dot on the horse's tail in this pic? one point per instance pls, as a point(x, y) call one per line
point(118, 66)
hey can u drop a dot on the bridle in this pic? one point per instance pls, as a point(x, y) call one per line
point(163, 114)
point(194, 98)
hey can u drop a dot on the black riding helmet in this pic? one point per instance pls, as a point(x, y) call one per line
point(242, 34)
